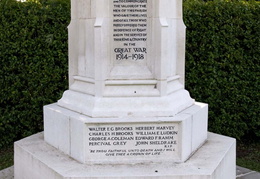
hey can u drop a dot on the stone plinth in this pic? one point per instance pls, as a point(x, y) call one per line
point(126, 140)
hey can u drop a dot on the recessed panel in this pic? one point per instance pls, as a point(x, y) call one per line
point(134, 142)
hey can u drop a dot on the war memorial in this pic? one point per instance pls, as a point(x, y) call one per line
point(126, 114)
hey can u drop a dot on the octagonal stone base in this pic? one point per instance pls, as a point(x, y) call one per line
point(126, 140)
point(34, 158)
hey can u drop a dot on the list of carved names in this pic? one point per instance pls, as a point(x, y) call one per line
point(133, 140)
point(129, 29)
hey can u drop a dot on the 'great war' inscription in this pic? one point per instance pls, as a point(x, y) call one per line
point(129, 29)
point(135, 140)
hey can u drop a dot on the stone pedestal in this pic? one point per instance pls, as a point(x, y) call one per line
point(126, 140)
point(126, 59)
point(126, 113)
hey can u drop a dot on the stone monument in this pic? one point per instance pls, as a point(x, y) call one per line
point(126, 113)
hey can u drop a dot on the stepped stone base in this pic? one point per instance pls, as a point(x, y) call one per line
point(34, 158)
point(126, 140)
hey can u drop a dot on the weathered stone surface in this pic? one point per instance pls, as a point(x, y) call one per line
point(127, 139)
point(34, 158)
point(126, 58)
point(126, 113)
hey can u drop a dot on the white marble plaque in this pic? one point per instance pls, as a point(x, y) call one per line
point(126, 142)
point(129, 34)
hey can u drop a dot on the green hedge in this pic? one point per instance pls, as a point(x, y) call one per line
point(33, 63)
point(222, 63)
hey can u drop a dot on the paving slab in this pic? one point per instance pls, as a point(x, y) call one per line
point(7, 173)
point(252, 175)
point(244, 173)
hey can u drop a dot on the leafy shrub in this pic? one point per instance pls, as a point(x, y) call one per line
point(222, 63)
point(33, 58)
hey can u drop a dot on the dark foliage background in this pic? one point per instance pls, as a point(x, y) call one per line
point(33, 63)
point(222, 63)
